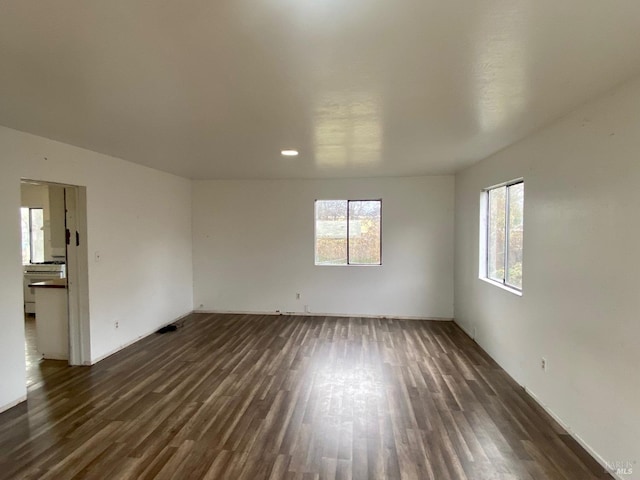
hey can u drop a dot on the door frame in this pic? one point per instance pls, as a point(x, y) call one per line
point(77, 268)
point(77, 275)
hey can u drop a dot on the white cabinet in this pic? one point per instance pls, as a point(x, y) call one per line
point(52, 320)
point(56, 220)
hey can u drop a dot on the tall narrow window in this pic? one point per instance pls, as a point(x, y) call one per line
point(32, 235)
point(348, 232)
point(504, 233)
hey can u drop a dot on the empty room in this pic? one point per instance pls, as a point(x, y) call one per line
point(311, 239)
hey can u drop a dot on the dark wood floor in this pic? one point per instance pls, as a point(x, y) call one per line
point(264, 397)
point(37, 368)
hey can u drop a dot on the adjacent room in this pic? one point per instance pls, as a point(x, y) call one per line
point(306, 240)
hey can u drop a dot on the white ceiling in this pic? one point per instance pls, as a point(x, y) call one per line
point(216, 88)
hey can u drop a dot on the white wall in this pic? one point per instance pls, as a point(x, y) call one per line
point(34, 196)
point(138, 218)
point(254, 248)
point(581, 274)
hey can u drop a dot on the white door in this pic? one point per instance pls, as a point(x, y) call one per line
point(77, 275)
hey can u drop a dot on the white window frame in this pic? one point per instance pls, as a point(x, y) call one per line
point(315, 238)
point(31, 229)
point(484, 237)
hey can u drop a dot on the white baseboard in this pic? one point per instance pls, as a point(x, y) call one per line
point(462, 327)
point(573, 435)
point(236, 312)
point(552, 414)
point(137, 339)
point(320, 314)
point(9, 405)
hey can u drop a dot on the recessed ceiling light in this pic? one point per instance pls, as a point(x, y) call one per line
point(289, 153)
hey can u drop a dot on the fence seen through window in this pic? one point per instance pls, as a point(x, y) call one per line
point(348, 232)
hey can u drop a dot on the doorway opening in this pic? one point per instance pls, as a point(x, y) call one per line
point(55, 277)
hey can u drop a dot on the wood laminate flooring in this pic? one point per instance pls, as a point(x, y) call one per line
point(286, 397)
point(37, 367)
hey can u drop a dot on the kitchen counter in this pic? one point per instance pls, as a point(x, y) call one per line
point(56, 283)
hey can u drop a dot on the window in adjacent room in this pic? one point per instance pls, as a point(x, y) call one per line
point(32, 235)
point(503, 234)
point(348, 232)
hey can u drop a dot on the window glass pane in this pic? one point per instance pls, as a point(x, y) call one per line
point(26, 237)
point(495, 234)
point(364, 232)
point(516, 223)
point(37, 235)
point(331, 232)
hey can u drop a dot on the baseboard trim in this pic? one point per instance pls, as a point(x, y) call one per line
point(576, 437)
point(137, 339)
point(239, 312)
point(10, 405)
point(468, 334)
point(552, 414)
point(321, 314)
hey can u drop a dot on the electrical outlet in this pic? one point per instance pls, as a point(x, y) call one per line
point(117, 324)
point(298, 296)
point(543, 364)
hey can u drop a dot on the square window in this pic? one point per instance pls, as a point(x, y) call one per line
point(348, 232)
